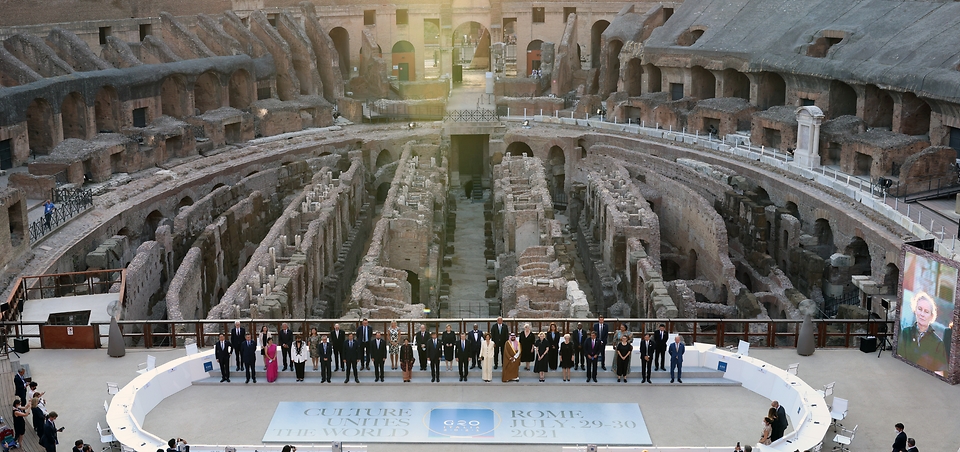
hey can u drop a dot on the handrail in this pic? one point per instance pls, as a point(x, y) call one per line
point(25, 285)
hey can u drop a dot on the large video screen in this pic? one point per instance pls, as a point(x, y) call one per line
point(926, 310)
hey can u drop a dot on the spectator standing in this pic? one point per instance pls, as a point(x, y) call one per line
point(48, 208)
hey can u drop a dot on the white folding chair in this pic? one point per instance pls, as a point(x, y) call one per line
point(827, 391)
point(844, 438)
point(106, 437)
point(792, 369)
point(192, 349)
point(149, 365)
point(112, 388)
point(838, 412)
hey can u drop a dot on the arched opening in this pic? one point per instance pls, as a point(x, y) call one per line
point(692, 264)
point(743, 275)
point(556, 170)
point(878, 107)
point(40, 126)
point(384, 158)
point(73, 116)
point(670, 269)
point(206, 92)
point(791, 207)
point(653, 77)
point(891, 277)
point(860, 252)
point(106, 109)
point(596, 40)
point(519, 148)
point(533, 56)
point(184, 202)
point(633, 79)
point(914, 115)
point(125, 231)
point(703, 83)
point(341, 42)
point(173, 97)
point(414, 281)
point(771, 90)
point(824, 234)
point(689, 37)
point(471, 45)
point(843, 99)
point(612, 61)
point(150, 225)
point(404, 61)
point(240, 89)
point(382, 191)
point(735, 84)
point(215, 187)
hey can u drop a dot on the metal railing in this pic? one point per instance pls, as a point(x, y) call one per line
point(69, 202)
point(53, 285)
point(478, 115)
point(378, 112)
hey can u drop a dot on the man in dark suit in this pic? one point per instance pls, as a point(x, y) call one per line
point(222, 352)
point(49, 439)
point(248, 352)
point(286, 342)
point(603, 332)
point(378, 352)
point(237, 335)
point(499, 334)
point(780, 424)
point(336, 340)
point(660, 338)
point(20, 385)
point(476, 337)
point(421, 340)
point(351, 356)
point(326, 356)
point(646, 358)
point(676, 358)
point(364, 336)
point(900, 443)
point(464, 351)
point(912, 445)
point(591, 351)
point(578, 337)
point(434, 352)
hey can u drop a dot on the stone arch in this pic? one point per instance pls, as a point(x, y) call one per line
point(73, 116)
point(914, 115)
point(184, 202)
point(633, 78)
point(824, 234)
point(150, 225)
point(891, 277)
point(555, 167)
point(878, 107)
point(692, 258)
point(653, 78)
point(215, 187)
point(771, 90)
point(860, 252)
point(735, 84)
point(703, 84)
point(478, 37)
point(240, 89)
point(690, 36)
point(384, 158)
point(843, 99)
point(106, 109)
point(173, 97)
point(612, 62)
point(341, 42)
point(519, 148)
point(596, 40)
point(533, 56)
point(382, 191)
point(206, 92)
point(40, 126)
point(404, 58)
point(670, 269)
point(794, 210)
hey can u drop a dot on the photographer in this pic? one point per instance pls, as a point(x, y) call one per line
point(177, 445)
point(746, 448)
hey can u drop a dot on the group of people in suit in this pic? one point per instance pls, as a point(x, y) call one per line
point(29, 402)
point(901, 443)
point(774, 424)
point(353, 351)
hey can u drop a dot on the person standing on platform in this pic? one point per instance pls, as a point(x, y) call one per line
point(406, 359)
point(464, 351)
point(364, 336)
point(237, 336)
point(623, 350)
point(449, 341)
point(676, 358)
point(351, 356)
point(500, 333)
point(660, 338)
point(434, 352)
point(621, 331)
point(553, 337)
point(262, 343)
point(326, 357)
point(477, 337)
point(511, 360)
point(19, 421)
point(313, 342)
point(780, 422)
point(421, 340)
point(592, 351)
point(378, 353)
point(49, 439)
point(270, 359)
point(48, 208)
point(578, 337)
point(541, 355)
point(248, 352)
point(285, 339)
point(222, 351)
point(566, 356)
point(766, 432)
point(336, 341)
point(646, 357)
point(488, 349)
point(301, 351)
point(527, 343)
point(603, 332)
point(900, 442)
point(20, 384)
point(912, 445)
point(393, 345)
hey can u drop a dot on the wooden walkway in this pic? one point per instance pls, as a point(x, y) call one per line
point(30, 443)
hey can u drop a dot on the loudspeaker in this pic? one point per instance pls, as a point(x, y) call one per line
point(868, 344)
point(21, 345)
point(336, 446)
point(591, 448)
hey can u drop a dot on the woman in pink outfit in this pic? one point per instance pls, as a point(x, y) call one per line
point(270, 358)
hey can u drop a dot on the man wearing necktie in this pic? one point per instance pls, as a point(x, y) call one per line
point(602, 330)
point(49, 439)
point(646, 358)
point(237, 334)
point(326, 356)
point(421, 340)
point(248, 350)
point(476, 336)
point(464, 353)
point(591, 351)
point(676, 358)
point(499, 333)
point(336, 341)
point(364, 338)
point(378, 351)
point(578, 337)
point(351, 356)
point(434, 352)
point(222, 352)
point(286, 344)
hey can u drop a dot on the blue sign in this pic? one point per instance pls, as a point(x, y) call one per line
point(722, 366)
point(429, 422)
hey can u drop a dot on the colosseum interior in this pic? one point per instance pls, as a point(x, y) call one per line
point(471, 158)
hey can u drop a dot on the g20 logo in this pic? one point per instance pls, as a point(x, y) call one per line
point(461, 422)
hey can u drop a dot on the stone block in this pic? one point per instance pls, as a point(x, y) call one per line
point(841, 260)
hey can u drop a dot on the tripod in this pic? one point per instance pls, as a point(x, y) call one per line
point(882, 329)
